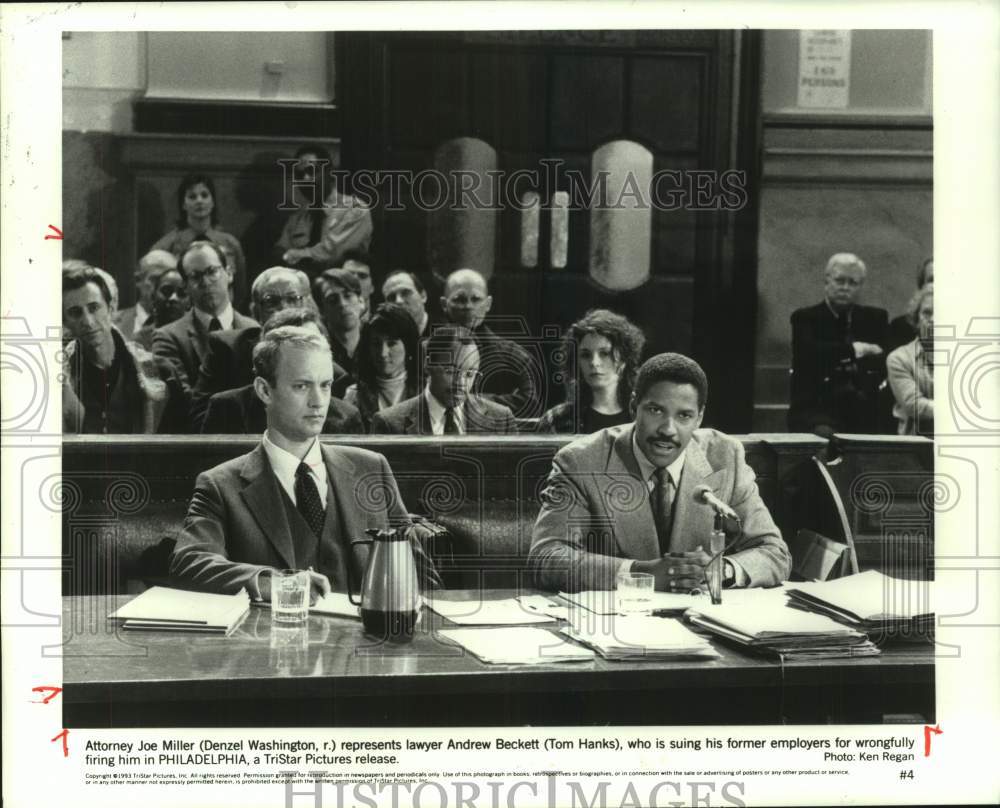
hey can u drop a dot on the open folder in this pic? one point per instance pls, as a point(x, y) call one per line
point(160, 608)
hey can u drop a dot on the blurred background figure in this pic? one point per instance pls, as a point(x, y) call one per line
point(358, 264)
point(911, 369)
point(406, 289)
point(901, 330)
point(170, 302)
point(608, 350)
point(838, 356)
point(328, 222)
point(153, 264)
point(387, 362)
point(338, 294)
point(198, 219)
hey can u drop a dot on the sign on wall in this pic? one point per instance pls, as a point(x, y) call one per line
point(824, 69)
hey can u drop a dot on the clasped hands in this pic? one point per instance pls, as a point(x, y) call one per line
point(676, 572)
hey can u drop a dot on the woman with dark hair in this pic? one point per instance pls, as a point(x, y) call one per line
point(608, 349)
point(197, 218)
point(387, 362)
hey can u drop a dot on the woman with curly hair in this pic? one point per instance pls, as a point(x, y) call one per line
point(198, 218)
point(911, 369)
point(387, 362)
point(607, 348)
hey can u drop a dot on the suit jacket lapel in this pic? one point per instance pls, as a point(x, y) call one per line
point(263, 499)
point(343, 481)
point(199, 339)
point(418, 419)
point(626, 500)
point(692, 523)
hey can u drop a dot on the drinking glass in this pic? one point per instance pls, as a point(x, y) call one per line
point(290, 596)
point(635, 593)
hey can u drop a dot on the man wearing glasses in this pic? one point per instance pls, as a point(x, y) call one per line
point(447, 405)
point(228, 360)
point(184, 342)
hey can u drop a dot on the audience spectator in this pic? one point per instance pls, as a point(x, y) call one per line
point(608, 349)
point(153, 264)
point(240, 411)
point(838, 356)
point(507, 371)
point(228, 359)
point(911, 369)
point(407, 290)
point(185, 341)
point(170, 302)
point(447, 405)
point(358, 264)
point(321, 231)
point(110, 385)
point(387, 362)
point(901, 330)
point(338, 294)
point(197, 220)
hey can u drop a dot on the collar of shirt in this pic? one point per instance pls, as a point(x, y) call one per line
point(648, 470)
point(423, 323)
point(836, 314)
point(225, 319)
point(436, 410)
point(285, 464)
point(140, 317)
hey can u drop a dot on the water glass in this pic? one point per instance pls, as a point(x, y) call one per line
point(635, 593)
point(289, 596)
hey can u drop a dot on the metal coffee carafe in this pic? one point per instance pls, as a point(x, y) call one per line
point(390, 595)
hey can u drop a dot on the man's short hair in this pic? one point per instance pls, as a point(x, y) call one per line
point(196, 244)
point(293, 317)
point(265, 277)
point(341, 279)
point(444, 343)
point(321, 152)
point(845, 259)
point(79, 274)
point(448, 280)
point(417, 283)
point(356, 254)
point(922, 272)
point(675, 368)
point(266, 352)
point(155, 260)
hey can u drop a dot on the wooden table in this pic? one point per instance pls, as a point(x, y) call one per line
point(329, 673)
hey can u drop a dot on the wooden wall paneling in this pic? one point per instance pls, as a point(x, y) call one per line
point(665, 101)
point(587, 104)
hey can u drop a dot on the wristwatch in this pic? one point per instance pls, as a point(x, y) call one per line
point(728, 573)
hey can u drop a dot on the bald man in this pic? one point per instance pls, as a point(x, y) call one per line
point(507, 372)
point(838, 355)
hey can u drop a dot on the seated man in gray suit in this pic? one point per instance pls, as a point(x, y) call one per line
point(447, 405)
point(291, 503)
point(624, 499)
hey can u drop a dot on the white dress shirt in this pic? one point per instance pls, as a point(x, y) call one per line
point(140, 317)
point(285, 464)
point(225, 319)
point(436, 410)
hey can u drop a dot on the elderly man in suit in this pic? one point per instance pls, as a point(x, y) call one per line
point(150, 267)
point(447, 405)
point(228, 360)
point(838, 356)
point(240, 411)
point(184, 342)
point(624, 499)
point(291, 503)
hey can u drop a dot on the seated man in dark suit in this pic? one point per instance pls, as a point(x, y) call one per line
point(838, 356)
point(241, 412)
point(291, 503)
point(407, 290)
point(507, 371)
point(623, 499)
point(184, 342)
point(446, 406)
point(228, 359)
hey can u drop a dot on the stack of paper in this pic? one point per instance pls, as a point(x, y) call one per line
point(778, 628)
point(162, 609)
point(506, 612)
point(640, 638)
point(870, 602)
point(605, 601)
point(516, 646)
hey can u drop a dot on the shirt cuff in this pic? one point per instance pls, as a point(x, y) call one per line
point(742, 576)
point(624, 566)
point(255, 583)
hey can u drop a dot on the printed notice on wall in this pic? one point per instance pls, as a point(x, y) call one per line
point(824, 69)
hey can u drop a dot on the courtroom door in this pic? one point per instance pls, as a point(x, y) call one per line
point(566, 108)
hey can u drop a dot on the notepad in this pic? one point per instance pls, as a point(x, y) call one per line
point(506, 612)
point(516, 645)
point(161, 608)
point(605, 601)
point(640, 637)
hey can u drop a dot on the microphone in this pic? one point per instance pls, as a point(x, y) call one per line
point(703, 496)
